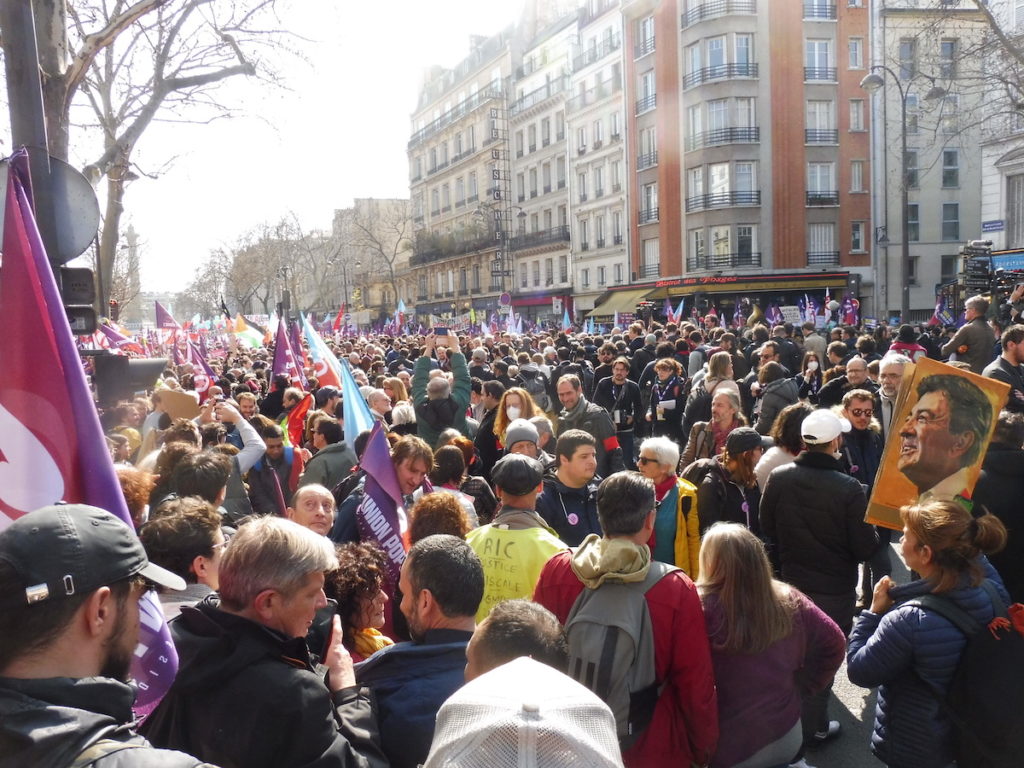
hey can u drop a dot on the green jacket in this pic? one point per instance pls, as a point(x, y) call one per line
point(460, 396)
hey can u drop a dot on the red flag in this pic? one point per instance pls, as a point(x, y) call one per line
point(336, 325)
point(51, 444)
point(297, 420)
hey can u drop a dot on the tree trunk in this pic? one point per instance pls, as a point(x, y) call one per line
point(51, 22)
point(111, 227)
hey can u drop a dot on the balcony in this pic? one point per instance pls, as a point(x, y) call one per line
point(720, 72)
point(599, 192)
point(547, 188)
point(600, 242)
point(648, 215)
point(711, 10)
point(644, 47)
point(591, 12)
point(463, 108)
point(826, 74)
point(539, 96)
point(648, 160)
point(648, 271)
point(617, 240)
point(647, 103)
point(720, 136)
point(583, 197)
point(822, 199)
point(822, 258)
point(463, 155)
point(592, 95)
point(543, 237)
point(421, 297)
point(584, 246)
point(821, 136)
point(597, 53)
point(431, 248)
point(818, 11)
point(723, 261)
point(722, 200)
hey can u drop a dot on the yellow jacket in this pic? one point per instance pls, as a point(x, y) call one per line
point(687, 530)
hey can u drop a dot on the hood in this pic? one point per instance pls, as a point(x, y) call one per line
point(214, 646)
point(597, 560)
point(46, 723)
point(519, 520)
point(783, 387)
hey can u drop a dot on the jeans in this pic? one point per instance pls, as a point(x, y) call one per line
point(814, 714)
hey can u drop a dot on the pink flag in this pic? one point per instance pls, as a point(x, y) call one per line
point(51, 442)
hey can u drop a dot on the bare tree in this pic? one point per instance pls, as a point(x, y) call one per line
point(380, 232)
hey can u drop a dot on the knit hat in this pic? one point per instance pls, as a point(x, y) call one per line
point(519, 430)
point(524, 714)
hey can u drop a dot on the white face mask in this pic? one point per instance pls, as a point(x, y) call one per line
point(812, 365)
point(513, 412)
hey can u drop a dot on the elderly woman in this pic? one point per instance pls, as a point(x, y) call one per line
point(909, 649)
point(707, 438)
point(676, 539)
point(358, 587)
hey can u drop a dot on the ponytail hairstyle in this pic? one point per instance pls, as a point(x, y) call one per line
point(955, 539)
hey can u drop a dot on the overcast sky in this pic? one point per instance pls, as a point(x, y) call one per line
point(340, 132)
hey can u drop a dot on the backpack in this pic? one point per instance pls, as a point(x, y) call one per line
point(537, 386)
point(986, 696)
point(611, 649)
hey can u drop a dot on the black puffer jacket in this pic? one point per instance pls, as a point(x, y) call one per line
point(1000, 489)
point(813, 513)
point(48, 723)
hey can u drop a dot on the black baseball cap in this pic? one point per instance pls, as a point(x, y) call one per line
point(73, 549)
point(743, 439)
point(517, 474)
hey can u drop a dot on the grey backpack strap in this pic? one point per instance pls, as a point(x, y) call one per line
point(656, 573)
point(99, 749)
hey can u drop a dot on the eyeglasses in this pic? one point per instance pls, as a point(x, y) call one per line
point(645, 460)
point(858, 412)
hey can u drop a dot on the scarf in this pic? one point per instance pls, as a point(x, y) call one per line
point(721, 435)
point(368, 641)
point(576, 412)
point(661, 489)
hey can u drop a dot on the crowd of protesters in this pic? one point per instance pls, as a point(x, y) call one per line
point(724, 473)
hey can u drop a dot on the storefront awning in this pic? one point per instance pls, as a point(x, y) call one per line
point(620, 301)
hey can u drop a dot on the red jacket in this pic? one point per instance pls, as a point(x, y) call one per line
point(684, 728)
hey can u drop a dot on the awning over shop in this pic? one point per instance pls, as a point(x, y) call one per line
point(620, 301)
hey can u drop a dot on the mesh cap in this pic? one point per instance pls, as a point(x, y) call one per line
point(524, 714)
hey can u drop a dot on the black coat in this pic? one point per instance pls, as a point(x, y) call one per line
point(1000, 489)
point(487, 443)
point(1000, 370)
point(813, 513)
point(625, 400)
point(248, 696)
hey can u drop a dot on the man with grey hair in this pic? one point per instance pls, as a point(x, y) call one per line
point(247, 691)
point(972, 344)
point(890, 377)
point(440, 404)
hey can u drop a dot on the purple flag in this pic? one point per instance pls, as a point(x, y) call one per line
point(164, 319)
point(51, 440)
point(380, 512)
point(284, 360)
point(204, 377)
point(119, 341)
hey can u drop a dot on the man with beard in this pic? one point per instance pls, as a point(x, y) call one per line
point(247, 690)
point(578, 413)
point(890, 378)
point(70, 578)
point(620, 397)
point(442, 584)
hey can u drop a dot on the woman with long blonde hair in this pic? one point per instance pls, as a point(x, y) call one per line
point(770, 646)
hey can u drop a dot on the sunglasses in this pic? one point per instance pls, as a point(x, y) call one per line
point(858, 412)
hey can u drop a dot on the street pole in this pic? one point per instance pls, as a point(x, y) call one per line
point(905, 212)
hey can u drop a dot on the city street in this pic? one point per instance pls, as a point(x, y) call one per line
point(854, 708)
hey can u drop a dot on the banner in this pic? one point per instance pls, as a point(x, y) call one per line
point(50, 435)
point(380, 515)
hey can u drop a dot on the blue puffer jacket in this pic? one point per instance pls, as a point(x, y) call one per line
point(902, 652)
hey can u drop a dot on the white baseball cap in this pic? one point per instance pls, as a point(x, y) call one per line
point(823, 426)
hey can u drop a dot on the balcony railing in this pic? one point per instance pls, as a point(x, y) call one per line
point(723, 260)
point(644, 47)
point(647, 161)
point(617, 240)
point(583, 197)
point(814, 10)
point(719, 136)
point(821, 136)
point(822, 199)
point(646, 103)
point(820, 73)
point(722, 200)
point(600, 242)
point(421, 297)
point(648, 270)
point(647, 215)
point(698, 12)
point(463, 154)
point(584, 246)
point(598, 192)
point(720, 72)
point(543, 237)
point(591, 55)
point(822, 258)
point(592, 11)
point(538, 96)
point(436, 248)
point(464, 107)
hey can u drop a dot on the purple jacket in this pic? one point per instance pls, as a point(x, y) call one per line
point(759, 695)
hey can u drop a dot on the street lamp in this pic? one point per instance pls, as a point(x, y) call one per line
point(871, 83)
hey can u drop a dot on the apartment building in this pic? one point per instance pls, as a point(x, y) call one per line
point(750, 137)
point(595, 118)
point(541, 246)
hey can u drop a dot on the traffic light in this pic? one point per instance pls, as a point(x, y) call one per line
point(114, 310)
point(78, 292)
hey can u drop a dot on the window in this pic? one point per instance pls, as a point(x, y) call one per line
point(746, 239)
point(533, 182)
point(581, 186)
point(581, 138)
point(476, 277)
point(856, 175)
point(696, 240)
point(744, 44)
point(560, 171)
point(521, 186)
point(948, 268)
point(695, 182)
point(718, 178)
point(821, 237)
point(819, 116)
point(951, 221)
point(745, 112)
point(473, 192)
point(545, 174)
point(647, 84)
point(715, 47)
point(460, 191)
point(947, 58)
point(948, 113)
point(598, 181)
point(743, 177)
point(524, 281)
point(616, 127)
point(856, 114)
point(718, 114)
point(721, 240)
point(648, 144)
point(913, 223)
point(649, 201)
point(549, 271)
point(818, 54)
point(463, 280)
point(910, 168)
point(856, 45)
point(951, 168)
point(857, 236)
point(911, 113)
point(435, 201)
point(536, 273)
point(585, 277)
point(645, 33)
point(598, 132)
point(617, 227)
point(531, 137)
point(908, 58)
point(820, 178)
point(563, 268)
point(693, 61)
point(545, 131)
point(694, 120)
point(617, 271)
point(650, 254)
point(584, 234)
point(599, 230)
point(601, 276)
point(1015, 204)
point(616, 175)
